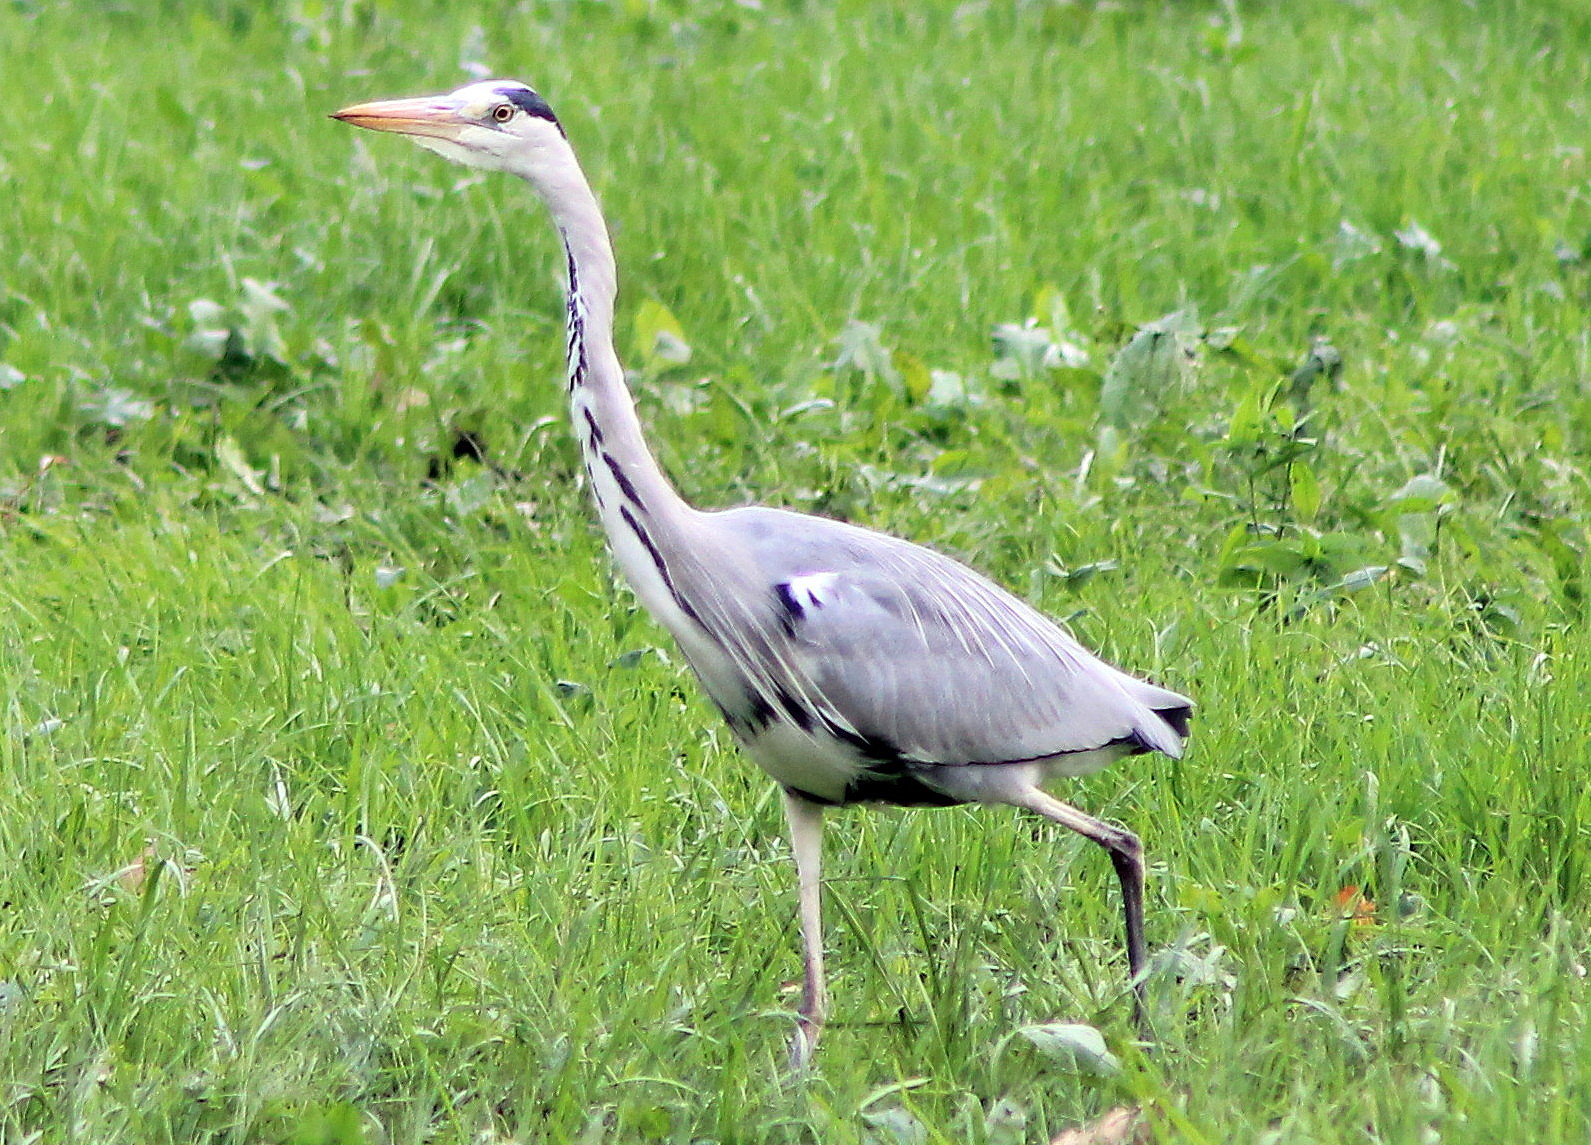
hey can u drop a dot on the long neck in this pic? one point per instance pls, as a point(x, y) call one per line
point(645, 519)
point(599, 401)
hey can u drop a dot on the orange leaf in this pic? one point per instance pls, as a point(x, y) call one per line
point(1358, 908)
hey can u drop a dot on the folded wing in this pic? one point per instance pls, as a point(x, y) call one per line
point(909, 648)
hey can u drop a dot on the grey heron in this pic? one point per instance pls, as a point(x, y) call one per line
point(852, 666)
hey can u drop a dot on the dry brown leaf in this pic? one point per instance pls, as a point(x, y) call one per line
point(1124, 1125)
point(132, 876)
point(135, 875)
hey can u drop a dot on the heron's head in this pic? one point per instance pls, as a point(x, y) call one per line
point(499, 125)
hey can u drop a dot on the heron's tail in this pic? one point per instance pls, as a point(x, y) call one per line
point(1172, 713)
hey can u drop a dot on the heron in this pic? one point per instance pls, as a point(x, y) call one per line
point(852, 666)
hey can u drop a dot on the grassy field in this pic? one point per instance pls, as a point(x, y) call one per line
point(345, 798)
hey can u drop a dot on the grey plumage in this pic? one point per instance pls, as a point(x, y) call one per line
point(851, 666)
point(907, 657)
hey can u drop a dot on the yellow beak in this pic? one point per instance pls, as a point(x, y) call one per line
point(433, 117)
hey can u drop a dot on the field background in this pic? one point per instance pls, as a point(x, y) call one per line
point(345, 798)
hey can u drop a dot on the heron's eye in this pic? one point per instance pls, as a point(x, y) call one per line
point(503, 112)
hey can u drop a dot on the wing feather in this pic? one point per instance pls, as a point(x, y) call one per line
point(903, 645)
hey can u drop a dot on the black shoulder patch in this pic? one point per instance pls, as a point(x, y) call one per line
point(787, 598)
point(531, 104)
point(791, 608)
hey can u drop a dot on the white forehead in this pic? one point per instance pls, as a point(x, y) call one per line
point(485, 92)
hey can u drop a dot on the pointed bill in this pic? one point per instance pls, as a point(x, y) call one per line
point(430, 117)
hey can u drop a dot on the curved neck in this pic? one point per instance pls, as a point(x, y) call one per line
point(647, 523)
point(616, 454)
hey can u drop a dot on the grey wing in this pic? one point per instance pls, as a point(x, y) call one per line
point(914, 650)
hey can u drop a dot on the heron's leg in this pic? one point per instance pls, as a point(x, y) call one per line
point(1127, 856)
point(806, 841)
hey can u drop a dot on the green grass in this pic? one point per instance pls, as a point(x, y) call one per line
point(343, 796)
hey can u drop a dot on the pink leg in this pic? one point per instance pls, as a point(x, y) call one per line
point(806, 841)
